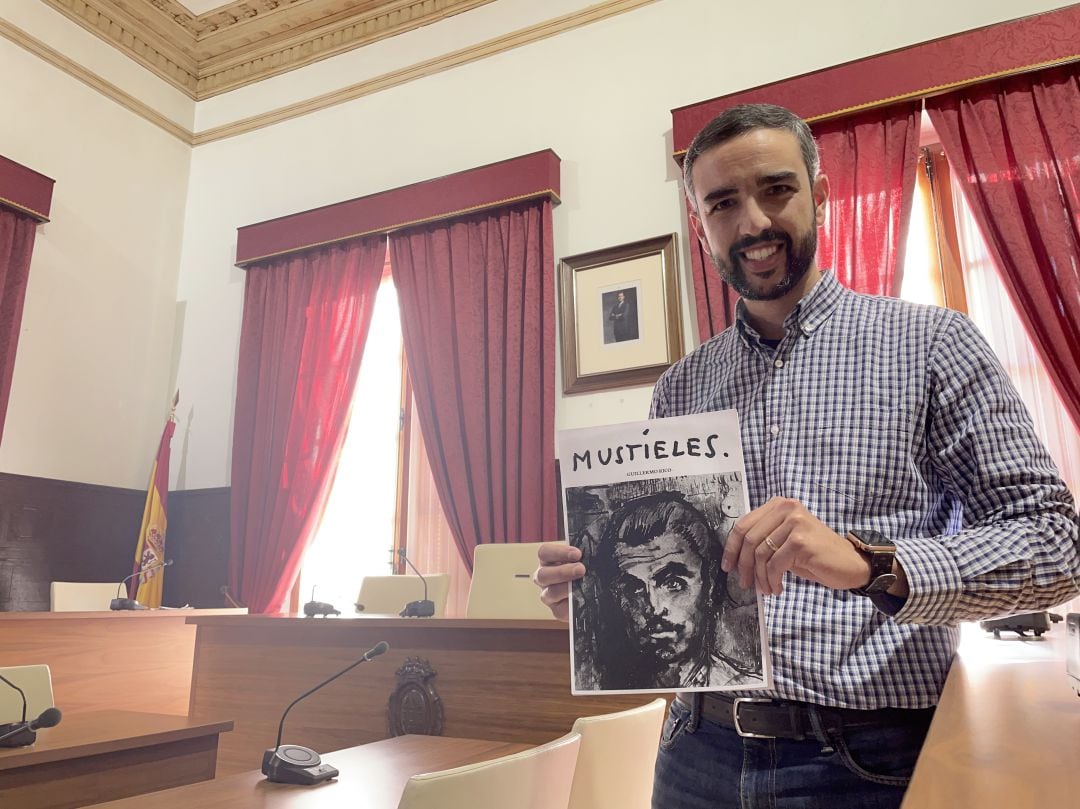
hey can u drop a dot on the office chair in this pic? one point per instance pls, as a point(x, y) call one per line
point(502, 585)
point(81, 596)
point(389, 594)
point(35, 682)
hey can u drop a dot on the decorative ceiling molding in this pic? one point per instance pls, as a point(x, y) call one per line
point(247, 40)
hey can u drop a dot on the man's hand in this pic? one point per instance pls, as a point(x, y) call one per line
point(783, 535)
point(560, 564)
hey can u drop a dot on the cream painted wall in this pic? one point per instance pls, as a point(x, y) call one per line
point(600, 96)
point(92, 375)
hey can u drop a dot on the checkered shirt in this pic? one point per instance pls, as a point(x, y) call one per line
point(882, 414)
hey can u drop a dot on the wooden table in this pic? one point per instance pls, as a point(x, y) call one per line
point(1006, 734)
point(103, 755)
point(128, 660)
point(503, 680)
point(373, 776)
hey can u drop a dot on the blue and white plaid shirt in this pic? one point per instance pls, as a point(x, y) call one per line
point(882, 414)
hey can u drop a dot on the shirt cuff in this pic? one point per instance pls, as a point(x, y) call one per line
point(934, 583)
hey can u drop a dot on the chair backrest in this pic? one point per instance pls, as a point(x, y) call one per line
point(36, 684)
point(389, 594)
point(616, 759)
point(502, 585)
point(538, 778)
point(82, 596)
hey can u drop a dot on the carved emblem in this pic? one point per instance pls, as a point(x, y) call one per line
point(415, 706)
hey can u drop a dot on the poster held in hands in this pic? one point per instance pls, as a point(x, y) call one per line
point(650, 505)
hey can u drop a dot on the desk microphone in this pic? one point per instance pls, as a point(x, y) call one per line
point(417, 609)
point(119, 603)
point(22, 733)
point(293, 764)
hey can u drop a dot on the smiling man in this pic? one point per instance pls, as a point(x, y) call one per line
point(897, 488)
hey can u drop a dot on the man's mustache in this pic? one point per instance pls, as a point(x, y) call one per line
point(747, 242)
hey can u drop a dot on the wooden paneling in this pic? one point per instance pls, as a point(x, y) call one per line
point(55, 530)
point(500, 680)
point(103, 756)
point(138, 661)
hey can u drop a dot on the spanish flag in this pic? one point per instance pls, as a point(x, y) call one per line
point(150, 550)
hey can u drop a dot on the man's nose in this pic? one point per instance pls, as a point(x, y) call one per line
point(753, 219)
point(657, 602)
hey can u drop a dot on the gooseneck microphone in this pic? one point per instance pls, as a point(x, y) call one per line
point(22, 733)
point(293, 764)
point(119, 603)
point(417, 609)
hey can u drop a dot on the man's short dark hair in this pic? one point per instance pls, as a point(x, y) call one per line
point(739, 120)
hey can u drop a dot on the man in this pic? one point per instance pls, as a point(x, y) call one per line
point(623, 317)
point(896, 489)
point(658, 587)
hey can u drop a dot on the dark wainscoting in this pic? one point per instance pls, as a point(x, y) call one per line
point(55, 530)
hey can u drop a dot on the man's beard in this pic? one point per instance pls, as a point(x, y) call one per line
point(799, 261)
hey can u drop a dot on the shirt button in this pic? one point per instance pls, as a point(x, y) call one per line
point(779, 363)
point(775, 429)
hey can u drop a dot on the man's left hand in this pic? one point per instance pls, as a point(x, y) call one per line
point(783, 535)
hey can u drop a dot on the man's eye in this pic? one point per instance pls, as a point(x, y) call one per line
point(780, 190)
point(724, 205)
point(674, 585)
point(629, 586)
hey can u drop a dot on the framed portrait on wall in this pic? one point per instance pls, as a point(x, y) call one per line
point(619, 315)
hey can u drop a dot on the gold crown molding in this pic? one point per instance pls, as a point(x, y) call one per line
point(72, 68)
point(429, 67)
point(249, 40)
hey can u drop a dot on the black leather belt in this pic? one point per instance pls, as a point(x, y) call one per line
point(784, 719)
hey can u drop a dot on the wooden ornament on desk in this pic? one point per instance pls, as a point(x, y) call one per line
point(415, 705)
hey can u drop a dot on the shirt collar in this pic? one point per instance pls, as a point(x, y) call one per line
point(809, 314)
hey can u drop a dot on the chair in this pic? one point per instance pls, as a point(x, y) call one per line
point(36, 684)
point(389, 594)
point(81, 596)
point(502, 585)
point(538, 778)
point(616, 758)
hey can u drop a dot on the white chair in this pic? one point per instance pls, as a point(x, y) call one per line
point(82, 596)
point(502, 585)
point(616, 759)
point(36, 684)
point(389, 594)
point(538, 778)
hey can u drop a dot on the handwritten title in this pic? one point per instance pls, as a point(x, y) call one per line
point(658, 449)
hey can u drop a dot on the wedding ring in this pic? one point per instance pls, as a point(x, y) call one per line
point(771, 544)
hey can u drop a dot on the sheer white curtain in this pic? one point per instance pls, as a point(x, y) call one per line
point(992, 310)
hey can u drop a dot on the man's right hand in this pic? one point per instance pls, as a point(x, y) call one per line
point(560, 564)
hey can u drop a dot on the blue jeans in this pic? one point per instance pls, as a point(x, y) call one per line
point(712, 767)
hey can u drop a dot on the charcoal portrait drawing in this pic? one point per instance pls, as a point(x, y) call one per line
point(655, 610)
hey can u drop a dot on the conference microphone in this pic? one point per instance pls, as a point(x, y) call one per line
point(119, 603)
point(417, 609)
point(24, 733)
point(293, 764)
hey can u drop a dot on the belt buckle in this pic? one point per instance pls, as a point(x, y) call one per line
point(739, 702)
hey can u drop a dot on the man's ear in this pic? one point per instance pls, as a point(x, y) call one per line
point(698, 228)
point(821, 199)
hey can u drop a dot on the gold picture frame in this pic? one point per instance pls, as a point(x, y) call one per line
point(619, 315)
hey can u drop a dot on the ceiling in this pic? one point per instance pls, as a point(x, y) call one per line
point(207, 47)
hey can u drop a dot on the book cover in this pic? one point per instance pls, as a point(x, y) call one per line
point(650, 505)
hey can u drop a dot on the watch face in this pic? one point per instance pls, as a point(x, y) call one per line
point(871, 539)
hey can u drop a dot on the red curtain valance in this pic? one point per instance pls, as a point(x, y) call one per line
point(25, 190)
point(915, 72)
point(530, 176)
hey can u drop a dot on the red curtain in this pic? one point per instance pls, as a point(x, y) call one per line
point(1016, 146)
point(870, 160)
point(304, 325)
point(17, 233)
point(478, 322)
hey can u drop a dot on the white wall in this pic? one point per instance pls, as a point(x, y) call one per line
point(600, 96)
point(134, 276)
point(91, 385)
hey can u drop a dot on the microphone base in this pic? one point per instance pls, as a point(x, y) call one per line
point(293, 764)
point(21, 739)
point(418, 609)
point(126, 604)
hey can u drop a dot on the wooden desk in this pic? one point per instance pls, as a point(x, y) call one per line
point(139, 660)
point(1006, 734)
point(501, 680)
point(373, 776)
point(104, 755)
